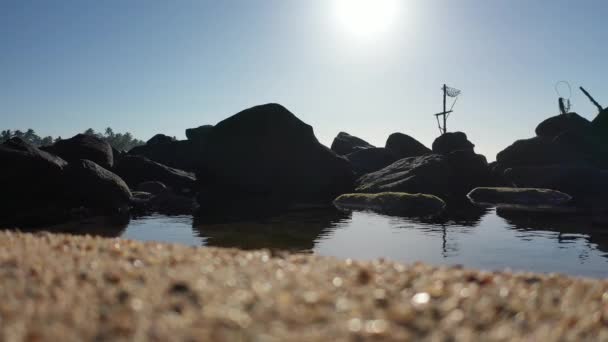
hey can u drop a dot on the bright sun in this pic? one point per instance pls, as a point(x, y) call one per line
point(366, 18)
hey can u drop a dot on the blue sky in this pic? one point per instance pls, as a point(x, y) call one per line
point(163, 66)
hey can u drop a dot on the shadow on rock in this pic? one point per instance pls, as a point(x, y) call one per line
point(296, 231)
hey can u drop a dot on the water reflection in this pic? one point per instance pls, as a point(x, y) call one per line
point(292, 231)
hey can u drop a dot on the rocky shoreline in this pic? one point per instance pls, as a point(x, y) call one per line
point(69, 288)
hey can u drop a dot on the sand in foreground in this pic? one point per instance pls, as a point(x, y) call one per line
point(68, 288)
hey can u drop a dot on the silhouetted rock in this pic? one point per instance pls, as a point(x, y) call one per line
point(580, 181)
point(442, 175)
point(600, 124)
point(181, 154)
point(265, 154)
point(199, 134)
point(160, 139)
point(556, 125)
point(452, 141)
point(524, 197)
point(165, 202)
point(536, 151)
point(345, 143)
point(84, 146)
point(404, 146)
point(29, 177)
point(151, 187)
point(90, 185)
point(392, 203)
point(137, 169)
point(370, 160)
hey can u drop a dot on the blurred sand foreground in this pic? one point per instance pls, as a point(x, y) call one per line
point(69, 288)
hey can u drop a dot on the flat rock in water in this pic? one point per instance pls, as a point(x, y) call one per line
point(393, 203)
point(523, 198)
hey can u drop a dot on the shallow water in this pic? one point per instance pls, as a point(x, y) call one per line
point(490, 240)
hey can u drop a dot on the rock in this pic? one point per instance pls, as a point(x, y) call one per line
point(392, 203)
point(166, 203)
point(556, 125)
point(525, 198)
point(137, 169)
point(29, 178)
point(580, 181)
point(441, 175)
point(599, 125)
point(182, 154)
point(266, 154)
point(404, 146)
point(199, 134)
point(370, 160)
point(84, 146)
point(151, 187)
point(345, 143)
point(90, 185)
point(160, 139)
point(452, 141)
point(537, 151)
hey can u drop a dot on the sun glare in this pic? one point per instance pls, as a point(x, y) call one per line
point(366, 18)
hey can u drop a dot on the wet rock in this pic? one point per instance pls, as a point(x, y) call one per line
point(452, 141)
point(160, 139)
point(265, 154)
point(199, 134)
point(556, 125)
point(90, 185)
point(392, 203)
point(442, 175)
point(137, 169)
point(370, 160)
point(345, 143)
point(525, 197)
point(151, 187)
point(84, 146)
point(404, 146)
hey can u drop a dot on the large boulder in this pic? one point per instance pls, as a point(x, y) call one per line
point(442, 175)
point(600, 124)
point(392, 203)
point(182, 154)
point(580, 181)
point(404, 146)
point(160, 139)
point(199, 134)
point(267, 155)
point(525, 197)
point(137, 169)
point(29, 177)
point(84, 146)
point(345, 143)
point(556, 125)
point(370, 160)
point(452, 141)
point(537, 151)
point(90, 185)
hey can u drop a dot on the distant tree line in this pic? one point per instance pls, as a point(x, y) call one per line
point(120, 141)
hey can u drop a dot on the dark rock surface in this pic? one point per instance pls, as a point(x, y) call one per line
point(452, 141)
point(84, 146)
point(537, 151)
point(404, 146)
point(151, 187)
point(265, 154)
point(518, 197)
point(199, 134)
point(91, 186)
point(160, 139)
point(345, 143)
point(370, 160)
point(181, 154)
point(442, 175)
point(392, 203)
point(556, 125)
point(137, 169)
